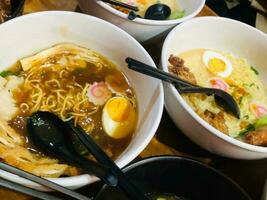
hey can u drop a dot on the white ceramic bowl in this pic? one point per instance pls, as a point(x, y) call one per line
point(31, 33)
point(225, 35)
point(141, 29)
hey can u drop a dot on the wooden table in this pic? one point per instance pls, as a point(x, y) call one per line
point(169, 139)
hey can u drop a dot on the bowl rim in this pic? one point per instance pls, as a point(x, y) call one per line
point(152, 22)
point(167, 158)
point(76, 180)
point(179, 98)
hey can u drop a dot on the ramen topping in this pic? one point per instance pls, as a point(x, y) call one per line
point(234, 75)
point(257, 137)
point(74, 83)
point(216, 120)
point(178, 68)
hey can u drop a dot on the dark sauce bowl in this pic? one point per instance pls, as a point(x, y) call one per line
point(183, 177)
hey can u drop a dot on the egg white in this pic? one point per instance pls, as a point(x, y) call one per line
point(208, 55)
point(118, 130)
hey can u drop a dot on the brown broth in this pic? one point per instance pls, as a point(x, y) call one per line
point(81, 75)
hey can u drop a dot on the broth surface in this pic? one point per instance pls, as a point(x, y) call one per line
point(61, 83)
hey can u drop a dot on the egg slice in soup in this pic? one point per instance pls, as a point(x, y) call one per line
point(118, 117)
point(217, 64)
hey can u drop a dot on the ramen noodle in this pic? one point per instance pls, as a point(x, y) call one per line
point(74, 83)
point(210, 68)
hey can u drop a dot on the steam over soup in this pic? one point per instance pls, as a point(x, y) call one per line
point(74, 83)
point(209, 68)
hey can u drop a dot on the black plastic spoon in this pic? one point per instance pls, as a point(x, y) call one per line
point(124, 183)
point(222, 98)
point(121, 4)
point(46, 131)
point(158, 11)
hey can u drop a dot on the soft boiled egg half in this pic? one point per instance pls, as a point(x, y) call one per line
point(118, 117)
point(217, 64)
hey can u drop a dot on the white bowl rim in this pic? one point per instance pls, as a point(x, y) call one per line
point(152, 22)
point(179, 98)
point(73, 180)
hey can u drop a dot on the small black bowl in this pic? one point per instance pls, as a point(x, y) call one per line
point(183, 177)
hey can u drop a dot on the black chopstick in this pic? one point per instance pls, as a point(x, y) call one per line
point(25, 190)
point(121, 4)
point(42, 181)
point(124, 183)
point(156, 73)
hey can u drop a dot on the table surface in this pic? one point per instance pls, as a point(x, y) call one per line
point(250, 175)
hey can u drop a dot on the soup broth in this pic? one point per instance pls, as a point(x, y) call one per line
point(62, 82)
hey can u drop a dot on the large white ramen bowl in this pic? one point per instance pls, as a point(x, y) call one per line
point(220, 34)
point(31, 33)
point(141, 29)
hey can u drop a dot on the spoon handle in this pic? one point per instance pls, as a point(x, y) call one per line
point(156, 73)
point(207, 91)
point(124, 183)
point(102, 172)
point(184, 86)
point(121, 4)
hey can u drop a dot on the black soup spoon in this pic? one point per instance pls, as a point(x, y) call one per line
point(47, 132)
point(124, 183)
point(121, 4)
point(158, 11)
point(221, 97)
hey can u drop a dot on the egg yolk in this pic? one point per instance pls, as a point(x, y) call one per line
point(142, 2)
point(216, 65)
point(119, 109)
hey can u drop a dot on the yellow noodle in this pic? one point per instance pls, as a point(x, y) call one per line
point(24, 107)
point(52, 87)
point(47, 83)
point(61, 73)
point(77, 106)
point(37, 104)
point(78, 85)
point(76, 119)
point(85, 90)
point(63, 109)
point(67, 101)
point(70, 87)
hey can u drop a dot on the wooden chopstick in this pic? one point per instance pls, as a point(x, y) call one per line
point(25, 190)
point(42, 181)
